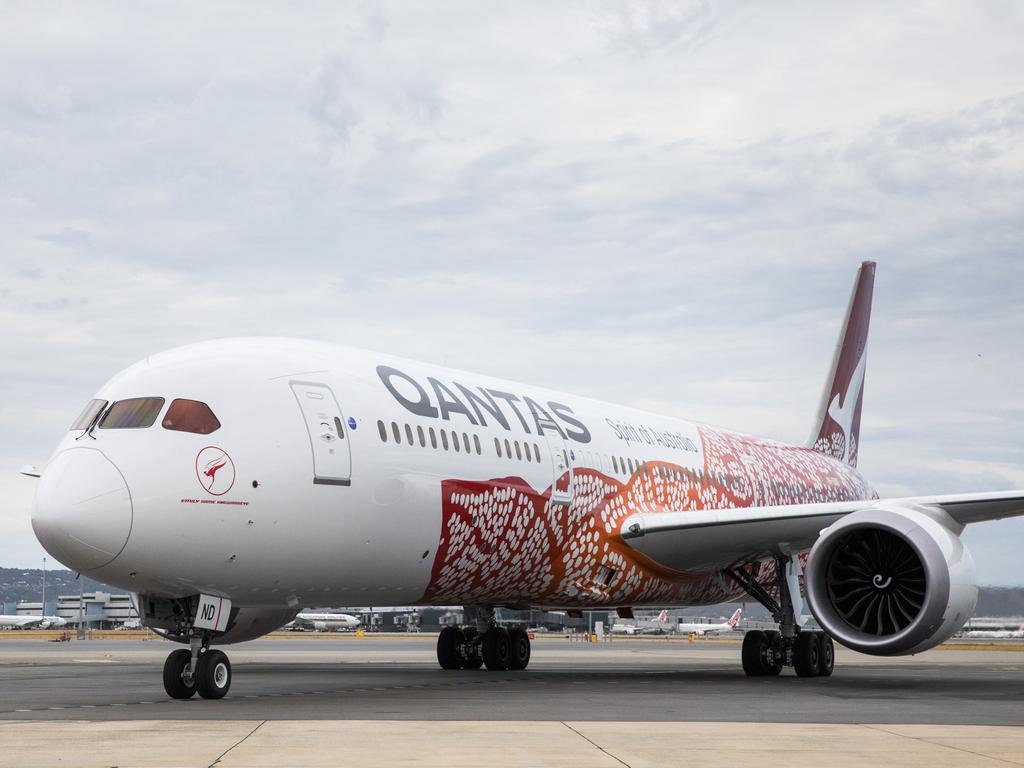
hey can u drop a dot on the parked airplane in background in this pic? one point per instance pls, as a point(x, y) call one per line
point(32, 622)
point(995, 634)
point(704, 629)
point(324, 622)
point(658, 626)
point(230, 482)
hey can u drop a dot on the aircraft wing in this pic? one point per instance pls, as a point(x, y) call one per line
point(693, 540)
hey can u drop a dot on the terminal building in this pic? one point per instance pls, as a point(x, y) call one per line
point(99, 610)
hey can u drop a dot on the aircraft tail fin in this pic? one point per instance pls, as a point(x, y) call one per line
point(663, 617)
point(837, 425)
point(735, 618)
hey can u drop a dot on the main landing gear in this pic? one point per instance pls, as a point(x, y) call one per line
point(483, 643)
point(199, 669)
point(811, 654)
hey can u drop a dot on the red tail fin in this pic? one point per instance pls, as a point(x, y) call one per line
point(837, 428)
point(735, 618)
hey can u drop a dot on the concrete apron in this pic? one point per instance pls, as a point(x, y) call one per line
point(475, 744)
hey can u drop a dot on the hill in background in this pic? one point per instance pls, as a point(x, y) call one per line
point(25, 584)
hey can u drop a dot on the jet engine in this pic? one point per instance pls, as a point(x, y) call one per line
point(891, 581)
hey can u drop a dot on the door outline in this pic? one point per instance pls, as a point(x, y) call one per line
point(558, 452)
point(328, 421)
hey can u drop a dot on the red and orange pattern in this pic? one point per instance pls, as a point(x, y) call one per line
point(503, 542)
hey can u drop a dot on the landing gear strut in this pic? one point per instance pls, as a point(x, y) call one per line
point(483, 643)
point(199, 670)
point(811, 654)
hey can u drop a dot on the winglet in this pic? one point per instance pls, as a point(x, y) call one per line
point(837, 426)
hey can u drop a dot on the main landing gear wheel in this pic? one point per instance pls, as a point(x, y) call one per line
point(213, 674)
point(811, 654)
point(827, 660)
point(497, 649)
point(471, 650)
point(178, 681)
point(520, 648)
point(448, 643)
point(807, 654)
point(762, 653)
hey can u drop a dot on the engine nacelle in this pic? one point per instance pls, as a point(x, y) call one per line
point(890, 581)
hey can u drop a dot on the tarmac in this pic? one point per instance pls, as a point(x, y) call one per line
point(308, 700)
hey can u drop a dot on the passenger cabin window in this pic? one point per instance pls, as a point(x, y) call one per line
point(92, 409)
point(136, 413)
point(190, 416)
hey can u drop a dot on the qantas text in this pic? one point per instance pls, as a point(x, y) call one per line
point(479, 405)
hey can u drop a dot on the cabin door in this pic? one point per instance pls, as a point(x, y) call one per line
point(328, 433)
point(561, 468)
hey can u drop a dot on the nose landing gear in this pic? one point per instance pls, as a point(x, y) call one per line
point(199, 670)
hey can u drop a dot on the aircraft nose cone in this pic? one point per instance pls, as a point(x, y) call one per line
point(83, 511)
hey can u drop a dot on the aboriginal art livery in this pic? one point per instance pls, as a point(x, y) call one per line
point(228, 484)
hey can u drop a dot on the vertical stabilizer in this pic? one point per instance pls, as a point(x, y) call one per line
point(837, 425)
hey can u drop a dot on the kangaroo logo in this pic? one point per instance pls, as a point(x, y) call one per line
point(842, 407)
point(215, 470)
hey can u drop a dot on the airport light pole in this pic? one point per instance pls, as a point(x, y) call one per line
point(42, 608)
point(81, 599)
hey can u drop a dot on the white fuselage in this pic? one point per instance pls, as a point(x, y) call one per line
point(335, 478)
point(325, 622)
point(27, 622)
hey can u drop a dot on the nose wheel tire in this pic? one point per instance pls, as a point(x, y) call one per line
point(497, 649)
point(520, 648)
point(213, 674)
point(178, 681)
point(807, 654)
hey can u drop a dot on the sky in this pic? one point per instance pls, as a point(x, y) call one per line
point(661, 205)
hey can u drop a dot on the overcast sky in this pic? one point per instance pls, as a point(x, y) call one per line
point(659, 205)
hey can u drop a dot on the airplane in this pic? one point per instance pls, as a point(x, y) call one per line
point(229, 482)
point(641, 628)
point(704, 629)
point(324, 622)
point(35, 622)
point(995, 633)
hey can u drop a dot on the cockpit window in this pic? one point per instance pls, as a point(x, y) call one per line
point(190, 416)
point(92, 409)
point(136, 413)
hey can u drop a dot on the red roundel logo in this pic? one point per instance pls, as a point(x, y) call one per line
point(215, 470)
